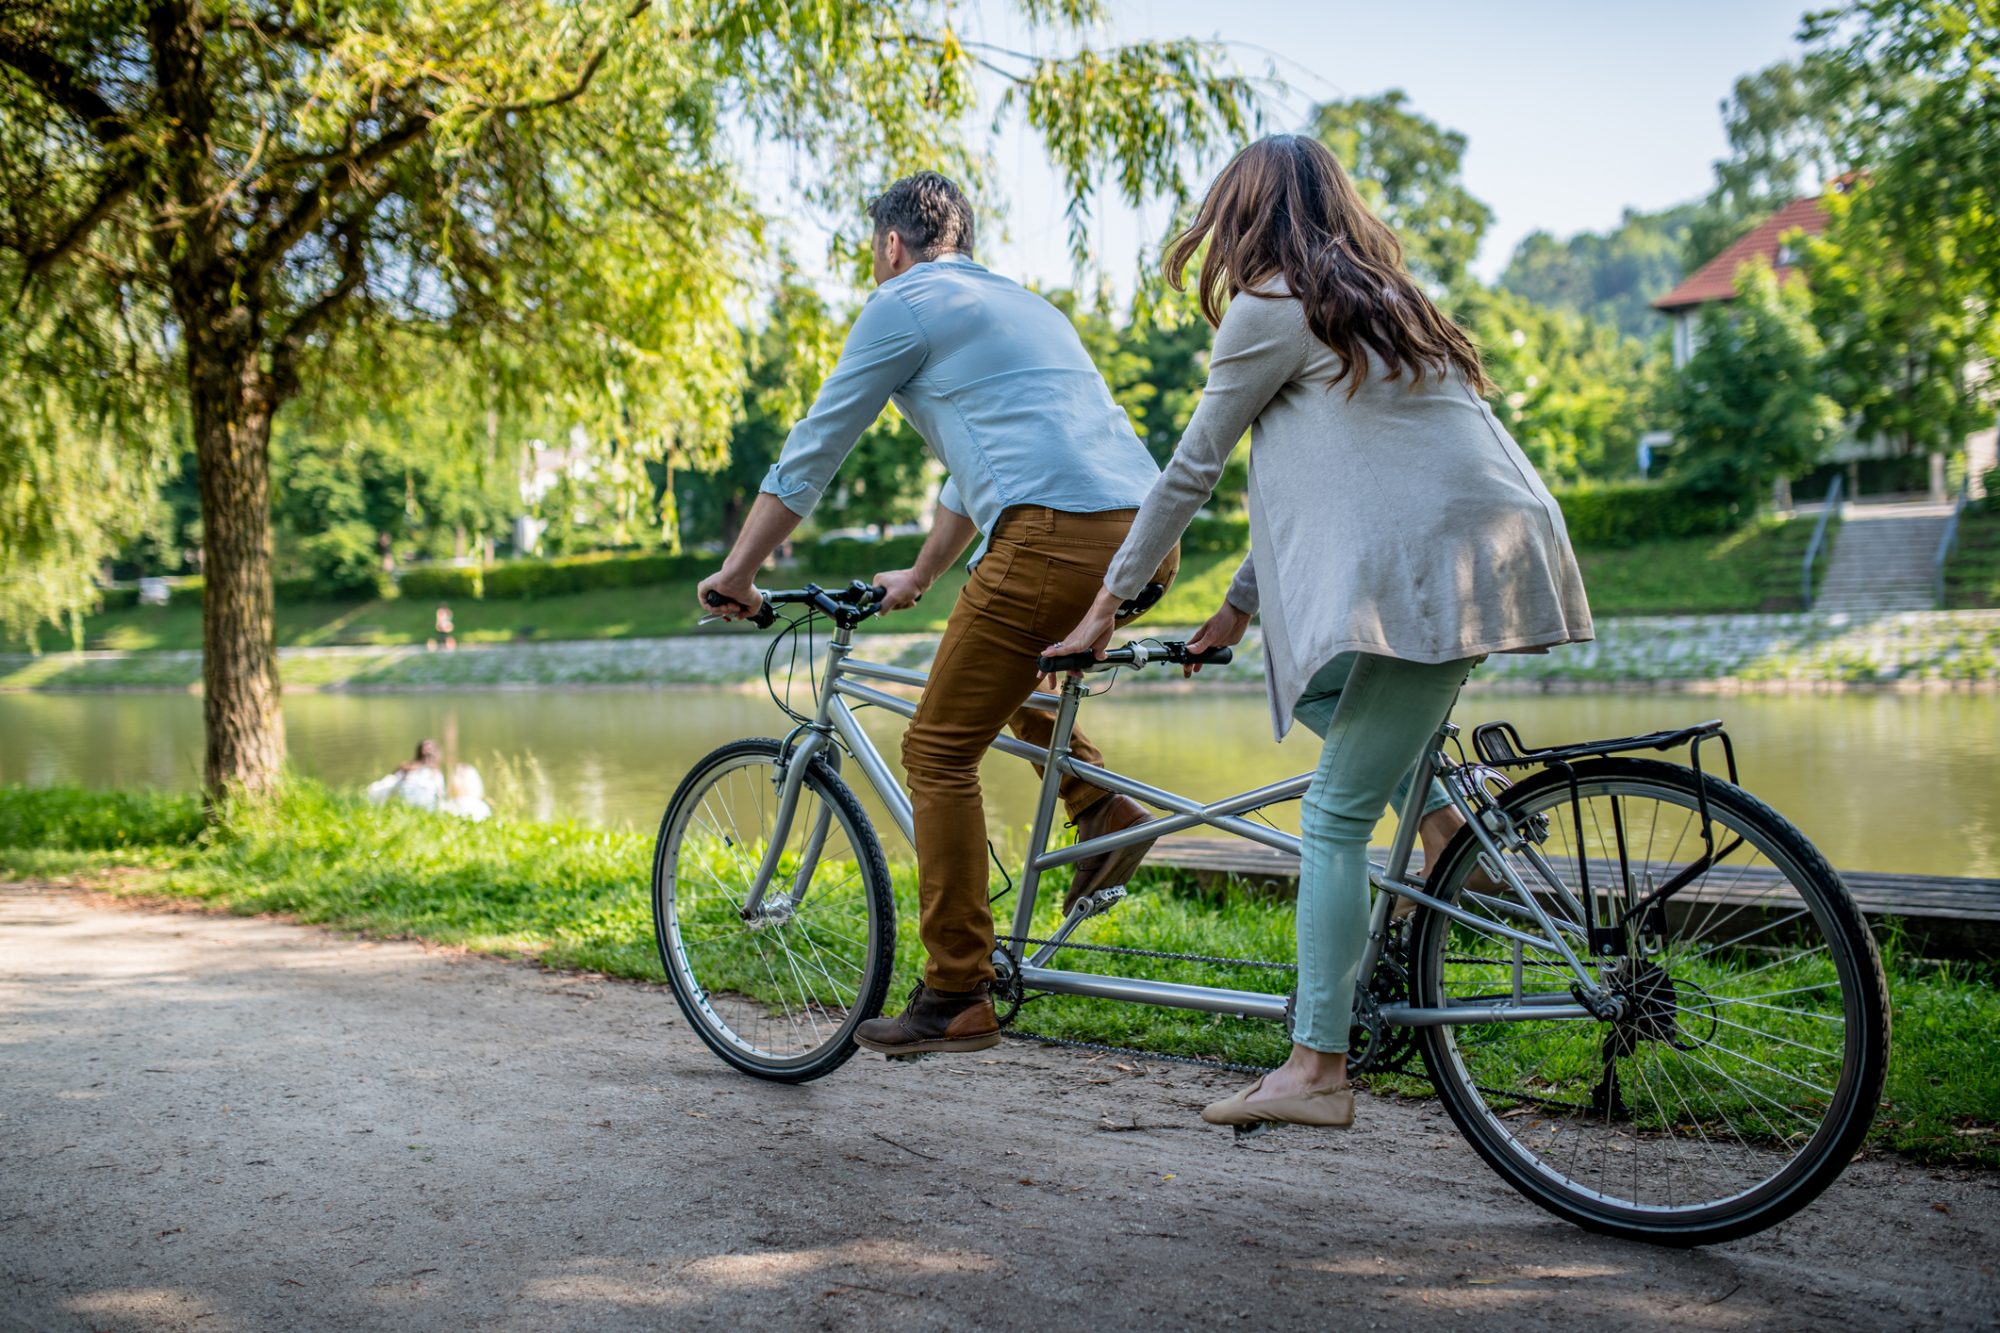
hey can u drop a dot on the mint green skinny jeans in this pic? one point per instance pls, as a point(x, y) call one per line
point(1375, 714)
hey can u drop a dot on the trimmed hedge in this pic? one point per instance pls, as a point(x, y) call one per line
point(1620, 516)
point(528, 579)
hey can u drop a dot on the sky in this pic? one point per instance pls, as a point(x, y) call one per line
point(1574, 109)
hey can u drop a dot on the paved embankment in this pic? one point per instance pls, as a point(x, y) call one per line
point(217, 1123)
point(1931, 649)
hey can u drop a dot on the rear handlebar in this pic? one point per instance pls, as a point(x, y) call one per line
point(1135, 655)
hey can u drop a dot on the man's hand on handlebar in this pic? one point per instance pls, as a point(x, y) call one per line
point(904, 588)
point(730, 598)
point(1093, 633)
point(1225, 627)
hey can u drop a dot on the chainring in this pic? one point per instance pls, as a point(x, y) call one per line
point(1373, 1047)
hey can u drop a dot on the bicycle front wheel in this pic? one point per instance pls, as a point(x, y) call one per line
point(777, 993)
point(1748, 1060)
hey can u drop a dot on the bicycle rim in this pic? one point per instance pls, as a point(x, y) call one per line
point(1749, 1061)
point(778, 996)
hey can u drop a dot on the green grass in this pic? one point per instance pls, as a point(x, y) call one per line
point(1755, 568)
point(574, 896)
point(1972, 576)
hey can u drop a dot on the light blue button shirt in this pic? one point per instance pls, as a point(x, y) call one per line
point(997, 383)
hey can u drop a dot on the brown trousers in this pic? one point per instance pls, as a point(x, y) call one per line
point(1034, 583)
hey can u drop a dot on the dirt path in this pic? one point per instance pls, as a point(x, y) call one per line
point(213, 1123)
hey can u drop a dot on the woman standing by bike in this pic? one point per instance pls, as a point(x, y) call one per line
point(1397, 536)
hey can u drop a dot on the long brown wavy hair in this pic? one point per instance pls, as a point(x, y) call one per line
point(1284, 208)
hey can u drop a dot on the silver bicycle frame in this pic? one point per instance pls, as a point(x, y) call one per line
point(834, 724)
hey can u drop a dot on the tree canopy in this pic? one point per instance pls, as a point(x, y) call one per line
point(273, 182)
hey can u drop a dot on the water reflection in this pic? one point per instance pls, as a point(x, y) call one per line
point(1881, 782)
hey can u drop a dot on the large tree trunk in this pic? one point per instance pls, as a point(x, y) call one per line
point(231, 403)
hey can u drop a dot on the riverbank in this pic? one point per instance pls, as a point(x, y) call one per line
point(1764, 653)
point(573, 896)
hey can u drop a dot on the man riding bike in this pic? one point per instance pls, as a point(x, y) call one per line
point(1047, 466)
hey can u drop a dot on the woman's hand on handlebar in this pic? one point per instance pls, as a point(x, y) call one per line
point(1093, 633)
point(904, 587)
point(740, 597)
point(1225, 627)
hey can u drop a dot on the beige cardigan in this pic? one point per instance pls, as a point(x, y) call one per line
point(1402, 521)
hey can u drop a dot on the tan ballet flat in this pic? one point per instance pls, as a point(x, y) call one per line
point(1331, 1108)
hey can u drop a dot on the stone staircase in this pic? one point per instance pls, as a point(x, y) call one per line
point(1882, 558)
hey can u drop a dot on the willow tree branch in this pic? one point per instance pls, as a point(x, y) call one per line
point(581, 84)
point(63, 86)
point(311, 205)
point(117, 186)
point(351, 239)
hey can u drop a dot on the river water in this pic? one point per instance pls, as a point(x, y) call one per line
point(1880, 781)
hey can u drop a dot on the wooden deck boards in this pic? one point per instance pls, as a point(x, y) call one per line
point(1940, 914)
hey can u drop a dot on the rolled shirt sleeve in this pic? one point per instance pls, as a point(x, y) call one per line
point(1258, 347)
point(884, 349)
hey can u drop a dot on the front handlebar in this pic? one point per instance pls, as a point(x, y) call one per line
point(852, 604)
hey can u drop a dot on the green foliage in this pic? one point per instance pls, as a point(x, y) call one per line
point(1407, 168)
point(1747, 407)
point(1919, 83)
point(547, 194)
point(1910, 338)
point(1611, 276)
point(1972, 575)
point(1570, 389)
point(1785, 129)
point(83, 447)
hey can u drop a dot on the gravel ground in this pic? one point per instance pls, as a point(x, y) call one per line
point(216, 1123)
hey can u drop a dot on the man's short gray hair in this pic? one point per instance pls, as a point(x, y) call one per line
point(929, 212)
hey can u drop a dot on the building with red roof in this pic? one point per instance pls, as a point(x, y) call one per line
point(1771, 240)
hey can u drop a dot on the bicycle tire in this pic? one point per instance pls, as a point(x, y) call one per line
point(703, 992)
point(1691, 1025)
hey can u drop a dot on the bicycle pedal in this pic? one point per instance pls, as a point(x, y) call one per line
point(1256, 1130)
point(1097, 904)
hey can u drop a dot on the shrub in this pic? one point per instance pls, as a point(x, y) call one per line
point(1625, 515)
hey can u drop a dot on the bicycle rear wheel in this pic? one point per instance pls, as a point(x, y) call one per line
point(780, 994)
point(1749, 1059)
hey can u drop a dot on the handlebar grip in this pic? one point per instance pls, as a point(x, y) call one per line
point(763, 617)
point(1210, 657)
point(1048, 666)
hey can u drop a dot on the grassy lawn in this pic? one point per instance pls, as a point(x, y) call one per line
point(574, 896)
point(1754, 569)
point(1972, 577)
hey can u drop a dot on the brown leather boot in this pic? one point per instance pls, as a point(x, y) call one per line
point(935, 1020)
point(1110, 815)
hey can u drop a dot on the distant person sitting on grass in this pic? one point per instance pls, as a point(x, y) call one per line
point(418, 781)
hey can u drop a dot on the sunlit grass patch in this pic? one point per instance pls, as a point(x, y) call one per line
point(575, 896)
